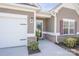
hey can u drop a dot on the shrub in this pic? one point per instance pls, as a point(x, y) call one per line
point(33, 45)
point(38, 34)
point(77, 40)
point(70, 42)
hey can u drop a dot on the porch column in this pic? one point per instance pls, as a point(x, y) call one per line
point(55, 28)
point(34, 22)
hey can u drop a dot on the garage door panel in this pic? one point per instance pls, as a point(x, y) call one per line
point(13, 32)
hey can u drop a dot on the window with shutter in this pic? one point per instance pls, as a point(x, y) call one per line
point(68, 27)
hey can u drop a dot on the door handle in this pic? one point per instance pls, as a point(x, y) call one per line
point(22, 39)
point(23, 24)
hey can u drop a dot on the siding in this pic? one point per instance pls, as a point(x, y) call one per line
point(50, 25)
point(67, 13)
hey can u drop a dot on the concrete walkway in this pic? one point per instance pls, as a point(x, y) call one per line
point(50, 49)
point(47, 49)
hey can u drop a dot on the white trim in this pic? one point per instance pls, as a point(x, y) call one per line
point(77, 33)
point(12, 15)
point(56, 28)
point(50, 33)
point(55, 23)
point(43, 14)
point(30, 35)
point(25, 6)
point(39, 20)
point(58, 34)
point(68, 34)
point(66, 5)
point(34, 22)
point(69, 20)
point(16, 7)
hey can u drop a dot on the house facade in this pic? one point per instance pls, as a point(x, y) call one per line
point(19, 23)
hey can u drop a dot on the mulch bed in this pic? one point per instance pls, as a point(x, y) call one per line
point(77, 50)
point(32, 51)
point(69, 49)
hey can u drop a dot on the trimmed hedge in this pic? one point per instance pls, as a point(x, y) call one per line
point(70, 42)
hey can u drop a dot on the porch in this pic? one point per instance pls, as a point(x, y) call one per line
point(45, 24)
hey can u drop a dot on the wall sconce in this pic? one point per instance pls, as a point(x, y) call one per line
point(31, 19)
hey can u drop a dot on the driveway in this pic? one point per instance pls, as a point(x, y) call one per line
point(47, 49)
point(14, 51)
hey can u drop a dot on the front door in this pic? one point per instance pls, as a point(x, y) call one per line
point(39, 27)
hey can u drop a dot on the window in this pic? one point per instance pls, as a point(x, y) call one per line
point(65, 27)
point(72, 27)
point(69, 27)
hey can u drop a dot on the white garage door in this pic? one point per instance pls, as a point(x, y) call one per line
point(13, 31)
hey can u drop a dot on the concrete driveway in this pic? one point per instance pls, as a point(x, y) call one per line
point(47, 49)
point(14, 51)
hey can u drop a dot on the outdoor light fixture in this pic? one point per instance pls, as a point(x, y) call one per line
point(31, 19)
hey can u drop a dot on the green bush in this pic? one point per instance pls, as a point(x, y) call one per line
point(33, 45)
point(38, 35)
point(77, 40)
point(70, 42)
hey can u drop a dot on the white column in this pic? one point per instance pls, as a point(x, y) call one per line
point(34, 22)
point(55, 28)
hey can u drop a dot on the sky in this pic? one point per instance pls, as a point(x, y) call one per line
point(47, 6)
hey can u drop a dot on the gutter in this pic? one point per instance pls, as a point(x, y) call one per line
point(18, 7)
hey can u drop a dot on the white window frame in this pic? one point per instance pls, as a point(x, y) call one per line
point(68, 20)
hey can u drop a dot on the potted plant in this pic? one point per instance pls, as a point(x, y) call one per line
point(38, 34)
point(33, 47)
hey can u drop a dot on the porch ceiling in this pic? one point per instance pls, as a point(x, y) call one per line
point(43, 14)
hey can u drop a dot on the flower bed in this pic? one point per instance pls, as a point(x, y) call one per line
point(74, 49)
